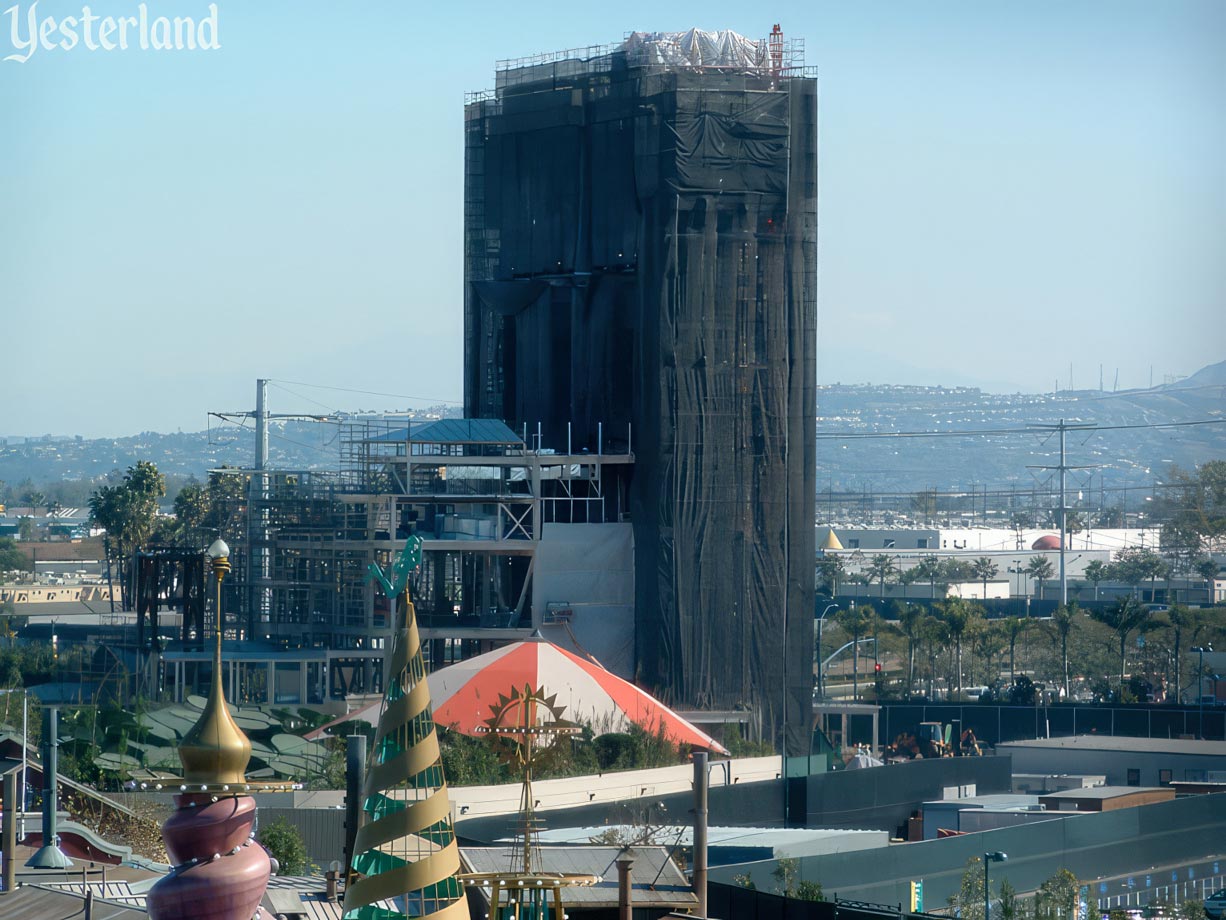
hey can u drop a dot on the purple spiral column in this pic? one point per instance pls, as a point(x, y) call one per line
point(220, 872)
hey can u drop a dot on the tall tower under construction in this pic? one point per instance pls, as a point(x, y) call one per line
point(641, 266)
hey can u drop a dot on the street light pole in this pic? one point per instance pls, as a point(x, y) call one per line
point(821, 682)
point(987, 903)
point(855, 662)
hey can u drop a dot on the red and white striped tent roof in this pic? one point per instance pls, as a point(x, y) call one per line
point(463, 695)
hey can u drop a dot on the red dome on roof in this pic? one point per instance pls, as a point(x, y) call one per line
point(1051, 541)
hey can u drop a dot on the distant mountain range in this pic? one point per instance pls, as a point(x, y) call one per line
point(847, 459)
point(1127, 454)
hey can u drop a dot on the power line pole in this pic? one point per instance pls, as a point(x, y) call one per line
point(1063, 427)
point(259, 551)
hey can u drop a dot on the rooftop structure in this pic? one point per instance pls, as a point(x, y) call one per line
point(1105, 798)
point(1124, 761)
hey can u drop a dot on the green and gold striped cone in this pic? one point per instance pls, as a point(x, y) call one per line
point(405, 856)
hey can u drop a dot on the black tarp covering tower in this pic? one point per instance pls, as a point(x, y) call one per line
point(641, 251)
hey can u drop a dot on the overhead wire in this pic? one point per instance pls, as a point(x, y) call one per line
point(273, 434)
point(1046, 430)
point(320, 386)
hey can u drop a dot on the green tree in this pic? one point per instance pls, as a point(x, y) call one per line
point(881, 567)
point(1133, 566)
point(784, 874)
point(909, 623)
point(128, 512)
point(26, 529)
point(954, 571)
point(985, 570)
point(192, 525)
point(1193, 507)
point(988, 643)
point(284, 843)
point(1207, 568)
point(830, 571)
point(924, 503)
point(1059, 628)
point(855, 621)
point(10, 624)
point(12, 559)
point(1097, 572)
point(1014, 628)
point(929, 569)
point(788, 882)
point(934, 634)
point(1153, 567)
point(34, 498)
point(809, 891)
point(1008, 901)
point(1181, 620)
point(1123, 618)
point(1056, 898)
point(960, 619)
point(967, 902)
point(1040, 568)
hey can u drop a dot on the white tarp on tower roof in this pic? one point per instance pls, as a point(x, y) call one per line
point(695, 48)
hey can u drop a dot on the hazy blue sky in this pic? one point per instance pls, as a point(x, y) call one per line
point(1005, 188)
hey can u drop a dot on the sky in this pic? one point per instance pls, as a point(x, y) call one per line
point(1005, 189)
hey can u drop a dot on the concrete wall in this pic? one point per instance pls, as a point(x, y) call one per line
point(1091, 846)
point(880, 798)
point(1116, 764)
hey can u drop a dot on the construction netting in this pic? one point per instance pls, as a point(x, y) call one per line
point(641, 252)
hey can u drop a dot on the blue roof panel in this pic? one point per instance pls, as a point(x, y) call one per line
point(466, 431)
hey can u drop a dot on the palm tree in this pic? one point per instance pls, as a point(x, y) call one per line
point(1207, 569)
point(1040, 569)
point(1154, 567)
point(988, 640)
point(854, 621)
point(1059, 627)
point(1182, 620)
point(934, 633)
point(958, 617)
point(984, 569)
point(910, 620)
point(831, 568)
point(1097, 571)
point(1122, 618)
point(1014, 628)
point(929, 568)
point(907, 577)
point(881, 567)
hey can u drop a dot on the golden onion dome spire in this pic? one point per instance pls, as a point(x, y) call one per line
point(216, 751)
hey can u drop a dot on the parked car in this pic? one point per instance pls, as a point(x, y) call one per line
point(1215, 904)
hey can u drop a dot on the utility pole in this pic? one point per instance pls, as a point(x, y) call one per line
point(1063, 427)
point(1063, 512)
point(261, 424)
point(258, 549)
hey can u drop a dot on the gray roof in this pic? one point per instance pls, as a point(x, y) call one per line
point(31, 902)
point(1105, 792)
point(656, 880)
point(1122, 743)
point(991, 800)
